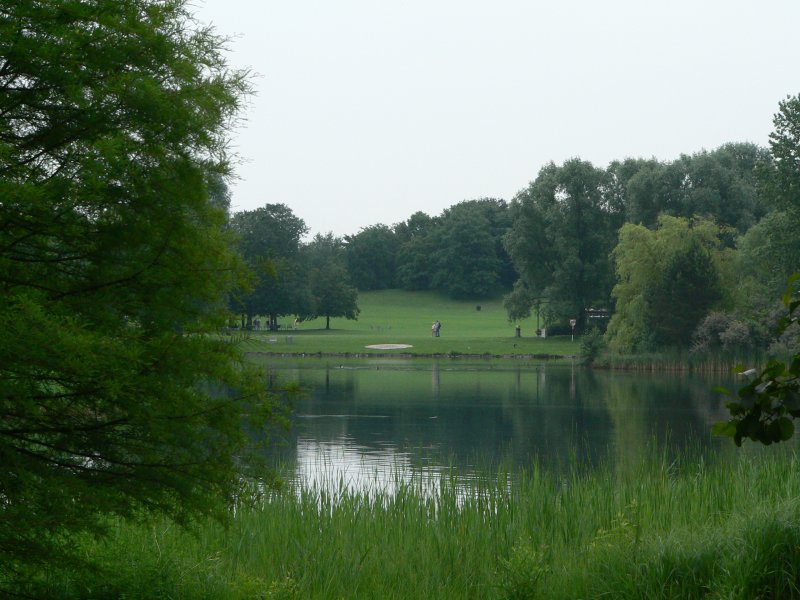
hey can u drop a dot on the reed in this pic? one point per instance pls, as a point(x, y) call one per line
point(718, 361)
point(663, 528)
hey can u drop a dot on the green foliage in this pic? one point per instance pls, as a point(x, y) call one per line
point(592, 344)
point(466, 257)
point(667, 280)
point(720, 330)
point(519, 302)
point(769, 253)
point(324, 259)
point(415, 265)
point(459, 253)
point(783, 180)
point(721, 185)
point(114, 267)
point(680, 295)
point(764, 409)
point(372, 257)
point(564, 229)
point(522, 572)
point(269, 240)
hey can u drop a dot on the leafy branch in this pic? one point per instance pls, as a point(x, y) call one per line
point(764, 410)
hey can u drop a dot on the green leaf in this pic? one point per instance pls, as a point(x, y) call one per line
point(786, 427)
point(724, 428)
point(791, 400)
point(794, 367)
point(751, 426)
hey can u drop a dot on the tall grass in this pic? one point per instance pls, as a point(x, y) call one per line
point(665, 529)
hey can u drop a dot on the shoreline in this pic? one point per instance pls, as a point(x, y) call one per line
point(410, 355)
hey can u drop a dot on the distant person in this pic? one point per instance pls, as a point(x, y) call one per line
point(437, 326)
point(433, 329)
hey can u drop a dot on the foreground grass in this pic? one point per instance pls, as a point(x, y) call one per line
point(400, 317)
point(665, 529)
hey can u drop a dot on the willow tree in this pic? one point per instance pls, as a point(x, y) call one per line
point(114, 265)
point(667, 280)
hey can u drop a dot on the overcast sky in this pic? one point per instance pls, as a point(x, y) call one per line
point(367, 111)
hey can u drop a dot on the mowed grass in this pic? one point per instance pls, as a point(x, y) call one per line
point(401, 317)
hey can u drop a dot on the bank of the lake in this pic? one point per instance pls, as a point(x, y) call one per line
point(397, 323)
point(667, 528)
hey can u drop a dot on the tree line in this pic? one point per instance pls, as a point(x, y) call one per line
point(689, 252)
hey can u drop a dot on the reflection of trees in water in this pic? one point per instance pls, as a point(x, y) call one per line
point(514, 413)
point(672, 411)
point(555, 421)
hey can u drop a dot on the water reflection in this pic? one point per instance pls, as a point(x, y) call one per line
point(362, 422)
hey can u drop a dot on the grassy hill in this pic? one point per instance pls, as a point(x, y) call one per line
point(401, 317)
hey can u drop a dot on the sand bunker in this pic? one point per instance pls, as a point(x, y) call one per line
point(389, 346)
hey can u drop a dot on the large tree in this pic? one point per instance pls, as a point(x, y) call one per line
point(372, 257)
point(415, 261)
point(329, 282)
point(459, 253)
point(564, 229)
point(667, 280)
point(783, 179)
point(269, 239)
point(721, 185)
point(114, 266)
point(465, 255)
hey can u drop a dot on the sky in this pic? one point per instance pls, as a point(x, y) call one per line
point(367, 111)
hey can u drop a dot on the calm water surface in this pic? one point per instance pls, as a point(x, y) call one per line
point(377, 421)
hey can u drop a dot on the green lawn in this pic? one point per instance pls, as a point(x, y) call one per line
point(401, 317)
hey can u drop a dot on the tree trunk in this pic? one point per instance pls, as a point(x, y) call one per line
point(327, 322)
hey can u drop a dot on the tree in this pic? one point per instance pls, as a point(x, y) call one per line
point(415, 263)
point(681, 294)
point(332, 294)
point(372, 257)
point(765, 408)
point(770, 252)
point(721, 185)
point(114, 267)
point(783, 180)
point(269, 239)
point(563, 231)
point(667, 280)
point(465, 256)
point(459, 253)
point(470, 259)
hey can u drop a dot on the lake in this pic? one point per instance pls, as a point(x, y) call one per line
point(372, 422)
